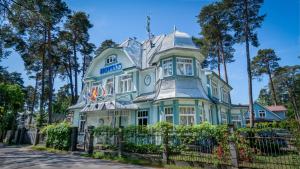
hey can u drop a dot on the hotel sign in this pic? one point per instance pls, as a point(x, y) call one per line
point(111, 68)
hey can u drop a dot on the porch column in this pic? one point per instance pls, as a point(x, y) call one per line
point(197, 108)
point(175, 112)
point(161, 111)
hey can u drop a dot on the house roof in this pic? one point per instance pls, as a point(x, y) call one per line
point(277, 108)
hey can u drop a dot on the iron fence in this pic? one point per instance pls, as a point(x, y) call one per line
point(271, 152)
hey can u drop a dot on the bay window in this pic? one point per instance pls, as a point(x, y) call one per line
point(185, 66)
point(167, 66)
point(187, 115)
point(125, 83)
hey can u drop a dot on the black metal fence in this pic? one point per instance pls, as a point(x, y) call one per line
point(271, 152)
point(251, 152)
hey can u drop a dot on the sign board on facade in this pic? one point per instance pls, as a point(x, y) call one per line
point(111, 68)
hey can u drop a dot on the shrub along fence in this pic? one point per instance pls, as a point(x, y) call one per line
point(202, 145)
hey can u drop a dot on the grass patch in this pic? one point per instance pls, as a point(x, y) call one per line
point(125, 160)
point(50, 150)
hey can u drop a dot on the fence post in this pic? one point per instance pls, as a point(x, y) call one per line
point(90, 139)
point(74, 135)
point(120, 142)
point(233, 148)
point(165, 154)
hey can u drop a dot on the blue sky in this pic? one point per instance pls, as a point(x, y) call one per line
point(120, 19)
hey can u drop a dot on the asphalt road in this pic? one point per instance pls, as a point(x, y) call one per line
point(22, 157)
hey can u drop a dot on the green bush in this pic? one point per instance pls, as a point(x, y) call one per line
point(58, 136)
point(142, 148)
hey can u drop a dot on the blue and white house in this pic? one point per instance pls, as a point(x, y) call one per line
point(159, 79)
point(268, 113)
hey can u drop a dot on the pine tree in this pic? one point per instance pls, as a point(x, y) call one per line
point(218, 42)
point(266, 62)
point(245, 19)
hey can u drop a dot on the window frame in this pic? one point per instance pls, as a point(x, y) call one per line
point(143, 117)
point(82, 122)
point(214, 85)
point(260, 112)
point(224, 120)
point(169, 114)
point(166, 65)
point(187, 115)
point(111, 59)
point(128, 80)
point(183, 61)
point(109, 91)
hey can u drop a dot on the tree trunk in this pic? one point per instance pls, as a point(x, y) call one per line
point(83, 70)
point(50, 60)
point(272, 86)
point(43, 75)
point(224, 63)
point(34, 97)
point(219, 62)
point(71, 79)
point(251, 113)
point(75, 70)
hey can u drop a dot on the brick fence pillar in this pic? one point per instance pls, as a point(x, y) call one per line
point(90, 139)
point(74, 135)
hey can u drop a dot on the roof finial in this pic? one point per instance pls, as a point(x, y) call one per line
point(174, 28)
point(150, 35)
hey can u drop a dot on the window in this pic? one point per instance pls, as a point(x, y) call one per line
point(142, 118)
point(184, 66)
point(110, 86)
point(167, 66)
point(111, 59)
point(187, 115)
point(236, 120)
point(81, 123)
point(169, 114)
point(126, 83)
point(223, 118)
point(214, 87)
point(262, 113)
point(225, 96)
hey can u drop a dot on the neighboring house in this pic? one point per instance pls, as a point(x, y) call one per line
point(141, 83)
point(238, 114)
point(267, 114)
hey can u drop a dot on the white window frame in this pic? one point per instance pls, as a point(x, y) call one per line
point(260, 112)
point(111, 59)
point(236, 121)
point(189, 115)
point(141, 115)
point(224, 117)
point(126, 82)
point(225, 95)
point(82, 121)
point(214, 88)
point(168, 111)
point(109, 86)
point(185, 62)
point(167, 67)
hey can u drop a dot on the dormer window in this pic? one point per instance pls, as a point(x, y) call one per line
point(111, 59)
point(185, 66)
point(167, 66)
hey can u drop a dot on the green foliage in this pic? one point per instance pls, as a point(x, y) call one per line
point(108, 130)
point(58, 135)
